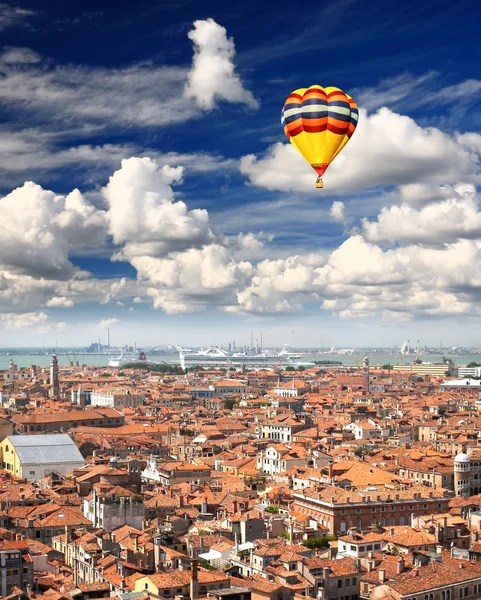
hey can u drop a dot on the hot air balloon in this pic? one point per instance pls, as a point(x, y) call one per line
point(319, 122)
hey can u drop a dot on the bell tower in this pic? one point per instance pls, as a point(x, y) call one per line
point(54, 381)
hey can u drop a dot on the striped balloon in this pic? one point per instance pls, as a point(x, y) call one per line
point(319, 122)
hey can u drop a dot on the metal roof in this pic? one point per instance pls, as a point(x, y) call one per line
point(46, 449)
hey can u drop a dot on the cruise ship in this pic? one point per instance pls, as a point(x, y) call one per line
point(124, 360)
point(215, 355)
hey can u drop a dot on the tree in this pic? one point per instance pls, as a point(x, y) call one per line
point(471, 365)
point(229, 403)
point(319, 542)
point(387, 367)
point(301, 368)
point(290, 368)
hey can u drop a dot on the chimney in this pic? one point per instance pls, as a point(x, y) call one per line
point(325, 573)
point(400, 565)
point(382, 575)
point(234, 507)
point(194, 581)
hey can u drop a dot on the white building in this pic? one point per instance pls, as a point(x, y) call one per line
point(274, 460)
point(461, 384)
point(366, 430)
point(469, 372)
point(116, 398)
point(280, 430)
point(111, 513)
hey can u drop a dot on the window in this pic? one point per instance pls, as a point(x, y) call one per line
point(339, 583)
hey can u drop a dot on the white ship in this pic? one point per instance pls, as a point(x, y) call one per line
point(216, 355)
point(124, 360)
point(285, 353)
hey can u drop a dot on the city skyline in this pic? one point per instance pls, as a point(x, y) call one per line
point(147, 186)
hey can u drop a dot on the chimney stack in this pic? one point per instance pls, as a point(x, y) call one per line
point(382, 575)
point(400, 565)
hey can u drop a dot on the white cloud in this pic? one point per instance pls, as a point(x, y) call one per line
point(408, 90)
point(446, 221)
point(38, 229)
point(143, 214)
point(139, 94)
point(213, 75)
point(22, 321)
point(387, 149)
point(392, 90)
point(421, 194)
point(337, 211)
point(108, 322)
point(19, 55)
point(59, 302)
point(13, 16)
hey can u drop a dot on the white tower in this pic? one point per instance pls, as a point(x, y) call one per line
point(462, 475)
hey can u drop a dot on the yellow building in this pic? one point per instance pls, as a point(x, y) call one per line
point(439, 369)
point(168, 585)
point(36, 456)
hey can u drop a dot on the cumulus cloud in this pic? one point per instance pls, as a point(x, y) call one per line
point(213, 75)
point(440, 222)
point(59, 302)
point(39, 228)
point(420, 255)
point(387, 149)
point(143, 214)
point(108, 322)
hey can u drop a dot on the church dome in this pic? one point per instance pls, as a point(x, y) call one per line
point(462, 458)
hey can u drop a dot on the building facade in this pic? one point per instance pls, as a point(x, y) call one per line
point(34, 457)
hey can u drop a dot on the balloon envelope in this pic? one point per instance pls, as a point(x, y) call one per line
point(319, 122)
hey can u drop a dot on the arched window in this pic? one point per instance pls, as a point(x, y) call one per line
point(392, 520)
point(343, 526)
point(7, 449)
point(383, 521)
point(401, 520)
point(358, 525)
point(373, 521)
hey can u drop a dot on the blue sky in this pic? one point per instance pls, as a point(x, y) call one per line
point(211, 227)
